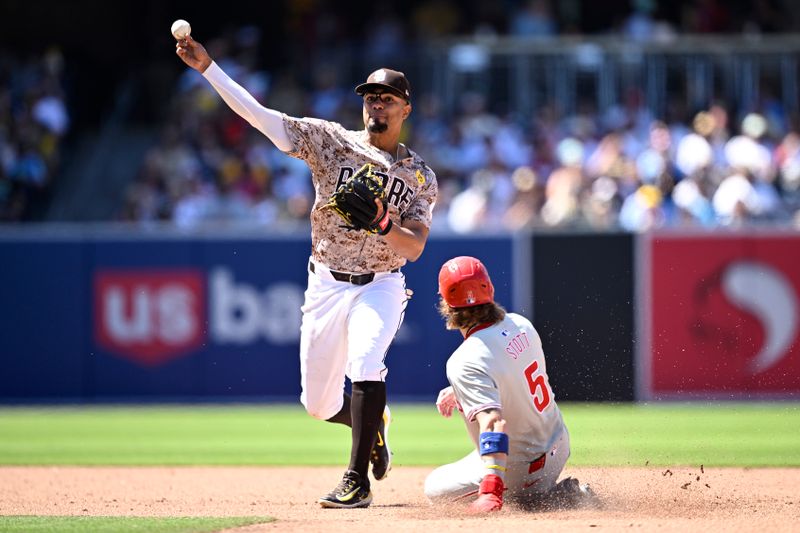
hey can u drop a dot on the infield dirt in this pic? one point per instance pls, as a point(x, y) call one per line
point(644, 498)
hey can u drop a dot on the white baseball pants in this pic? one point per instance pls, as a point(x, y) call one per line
point(524, 478)
point(346, 331)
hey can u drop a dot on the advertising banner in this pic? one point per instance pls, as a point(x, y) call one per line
point(720, 316)
point(195, 319)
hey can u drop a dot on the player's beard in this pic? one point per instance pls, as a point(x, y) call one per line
point(377, 125)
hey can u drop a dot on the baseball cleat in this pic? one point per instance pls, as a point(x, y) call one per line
point(381, 457)
point(490, 496)
point(569, 492)
point(351, 493)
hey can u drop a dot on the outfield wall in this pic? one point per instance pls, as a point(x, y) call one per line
point(105, 317)
point(132, 315)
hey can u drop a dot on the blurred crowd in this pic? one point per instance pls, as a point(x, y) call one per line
point(614, 168)
point(618, 167)
point(33, 122)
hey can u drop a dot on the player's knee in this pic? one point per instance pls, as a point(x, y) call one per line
point(317, 410)
point(430, 493)
point(433, 489)
point(319, 415)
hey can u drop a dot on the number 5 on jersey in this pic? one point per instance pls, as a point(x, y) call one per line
point(538, 387)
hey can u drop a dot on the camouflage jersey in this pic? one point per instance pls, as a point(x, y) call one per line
point(334, 154)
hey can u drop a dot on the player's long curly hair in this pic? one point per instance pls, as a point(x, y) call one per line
point(467, 317)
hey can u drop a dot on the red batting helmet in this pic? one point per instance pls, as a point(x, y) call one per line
point(464, 282)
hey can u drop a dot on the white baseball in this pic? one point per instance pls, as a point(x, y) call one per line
point(180, 29)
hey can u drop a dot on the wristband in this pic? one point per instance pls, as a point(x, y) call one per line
point(493, 442)
point(385, 224)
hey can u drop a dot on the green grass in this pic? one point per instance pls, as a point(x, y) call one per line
point(122, 524)
point(757, 434)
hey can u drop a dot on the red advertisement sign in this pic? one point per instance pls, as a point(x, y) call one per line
point(723, 317)
point(149, 316)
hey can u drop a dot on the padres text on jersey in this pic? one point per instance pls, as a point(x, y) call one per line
point(333, 154)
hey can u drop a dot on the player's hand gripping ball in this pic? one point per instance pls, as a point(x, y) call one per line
point(355, 201)
point(180, 29)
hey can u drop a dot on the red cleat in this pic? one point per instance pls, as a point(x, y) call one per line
point(490, 496)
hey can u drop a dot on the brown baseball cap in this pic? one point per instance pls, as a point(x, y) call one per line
point(386, 78)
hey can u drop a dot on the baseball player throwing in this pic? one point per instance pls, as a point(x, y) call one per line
point(499, 383)
point(372, 212)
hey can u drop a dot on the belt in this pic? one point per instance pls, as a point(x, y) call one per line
point(355, 279)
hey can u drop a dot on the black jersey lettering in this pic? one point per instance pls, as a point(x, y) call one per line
point(344, 175)
point(406, 199)
point(395, 192)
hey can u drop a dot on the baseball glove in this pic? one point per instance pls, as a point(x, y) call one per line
point(354, 201)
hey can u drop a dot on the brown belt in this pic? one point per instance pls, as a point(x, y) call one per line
point(355, 279)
